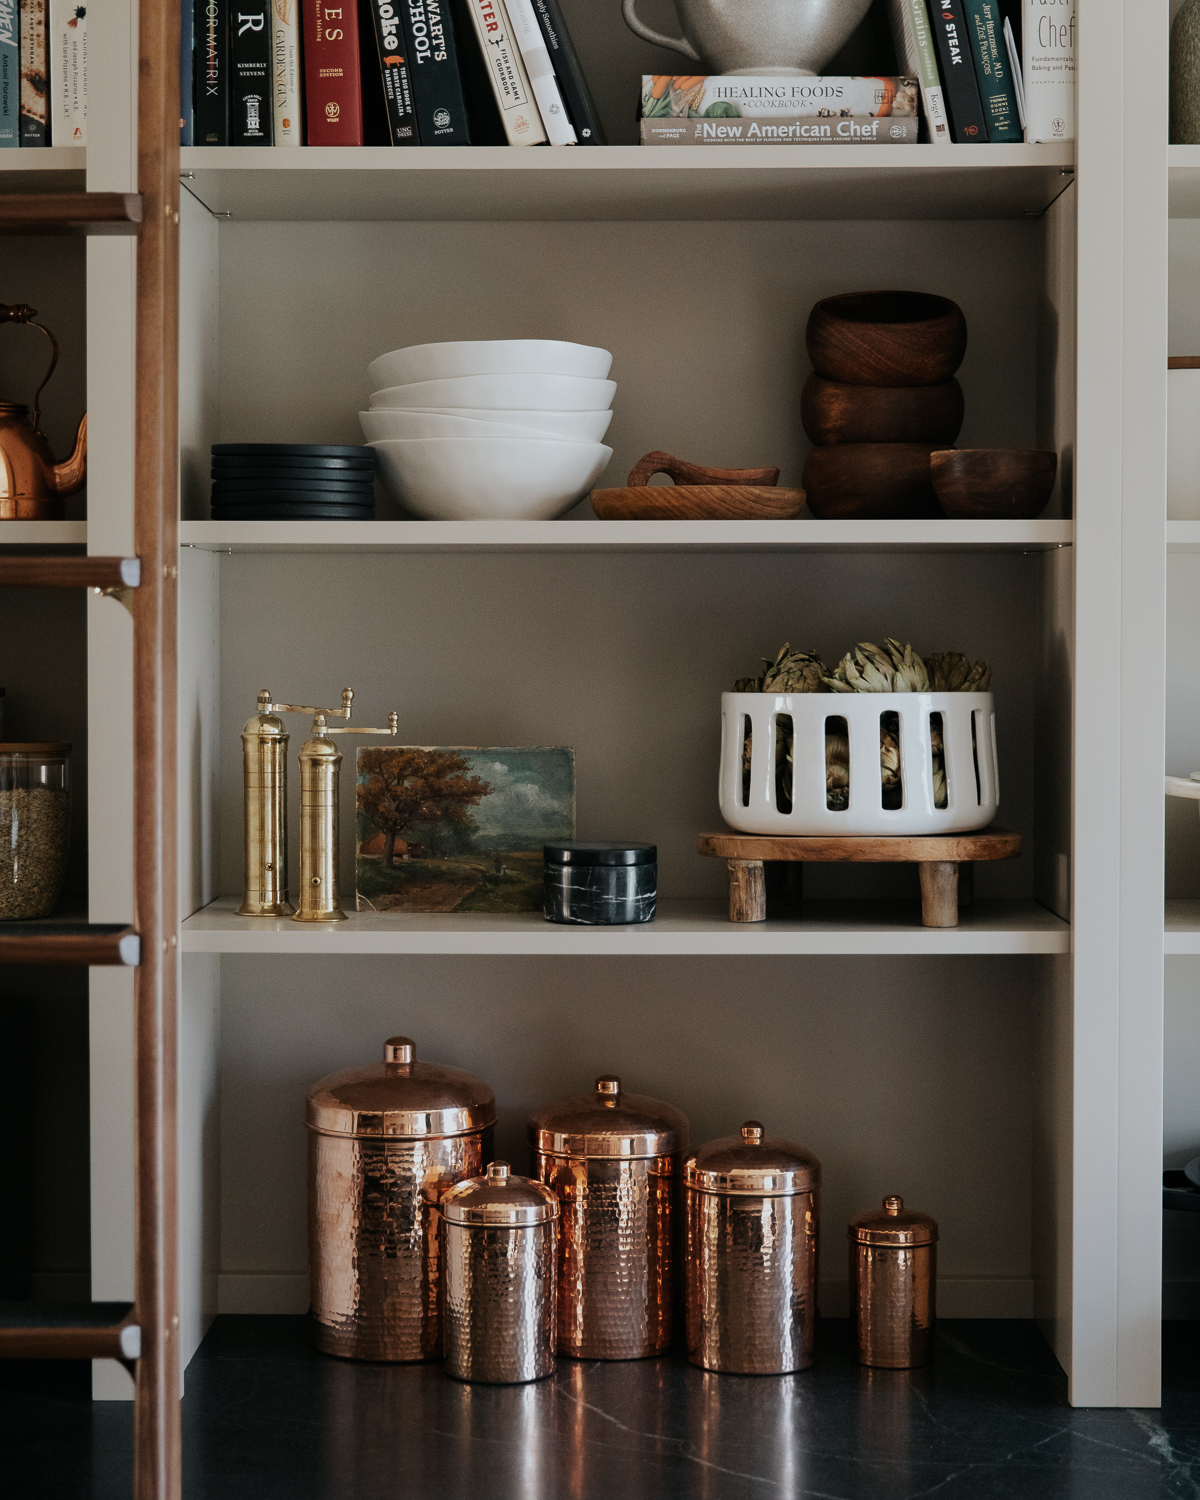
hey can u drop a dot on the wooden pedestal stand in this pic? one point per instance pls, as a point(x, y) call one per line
point(945, 865)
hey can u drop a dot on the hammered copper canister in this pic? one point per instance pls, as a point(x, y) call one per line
point(385, 1142)
point(498, 1238)
point(750, 1272)
point(613, 1161)
point(893, 1285)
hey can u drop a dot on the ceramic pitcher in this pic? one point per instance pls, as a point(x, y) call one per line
point(774, 38)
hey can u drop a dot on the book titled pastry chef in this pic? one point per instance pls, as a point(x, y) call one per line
point(751, 111)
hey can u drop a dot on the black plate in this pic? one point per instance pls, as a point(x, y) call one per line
point(257, 486)
point(297, 450)
point(298, 512)
point(309, 476)
point(232, 499)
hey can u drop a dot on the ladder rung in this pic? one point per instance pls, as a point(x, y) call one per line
point(69, 572)
point(82, 944)
point(70, 213)
point(69, 1330)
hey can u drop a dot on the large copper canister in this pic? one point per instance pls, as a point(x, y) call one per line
point(893, 1285)
point(498, 1237)
point(752, 1207)
point(384, 1143)
point(613, 1161)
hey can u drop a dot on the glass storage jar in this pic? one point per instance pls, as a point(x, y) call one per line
point(35, 824)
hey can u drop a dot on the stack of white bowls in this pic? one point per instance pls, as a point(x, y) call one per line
point(506, 429)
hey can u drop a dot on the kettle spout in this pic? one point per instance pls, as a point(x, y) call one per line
point(70, 475)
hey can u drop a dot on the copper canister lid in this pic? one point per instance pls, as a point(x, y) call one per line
point(753, 1163)
point(608, 1122)
point(399, 1097)
point(893, 1224)
point(499, 1200)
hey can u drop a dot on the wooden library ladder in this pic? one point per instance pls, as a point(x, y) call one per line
point(144, 1335)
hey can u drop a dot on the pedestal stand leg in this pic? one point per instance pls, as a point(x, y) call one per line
point(966, 883)
point(747, 891)
point(785, 881)
point(939, 894)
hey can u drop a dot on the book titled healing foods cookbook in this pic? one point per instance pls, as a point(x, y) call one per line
point(753, 111)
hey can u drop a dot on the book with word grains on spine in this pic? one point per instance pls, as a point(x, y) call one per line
point(753, 111)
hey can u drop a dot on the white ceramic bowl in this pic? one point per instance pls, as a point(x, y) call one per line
point(490, 357)
point(570, 426)
point(501, 393)
point(513, 479)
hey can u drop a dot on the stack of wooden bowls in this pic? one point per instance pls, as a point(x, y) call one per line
point(882, 398)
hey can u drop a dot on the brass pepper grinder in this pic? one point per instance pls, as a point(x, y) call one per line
point(320, 761)
point(264, 788)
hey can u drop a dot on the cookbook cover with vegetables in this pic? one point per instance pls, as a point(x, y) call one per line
point(733, 97)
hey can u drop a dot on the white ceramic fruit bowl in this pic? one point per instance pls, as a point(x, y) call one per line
point(589, 426)
point(511, 479)
point(501, 393)
point(488, 357)
point(378, 426)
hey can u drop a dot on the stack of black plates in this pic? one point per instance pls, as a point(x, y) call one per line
point(292, 482)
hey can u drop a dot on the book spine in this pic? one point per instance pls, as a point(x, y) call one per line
point(807, 130)
point(958, 72)
point(10, 74)
point(1048, 69)
point(395, 73)
point(187, 55)
point(253, 116)
point(212, 74)
point(1014, 62)
point(992, 72)
point(67, 47)
point(916, 55)
point(285, 72)
point(536, 57)
point(35, 100)
point(332, 79)
point(506, 73)
point(437, 88)
point(571, 79)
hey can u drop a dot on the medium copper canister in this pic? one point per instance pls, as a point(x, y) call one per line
point(613, 1161)
point(752, 1209)
point(498, 1284)
point(893, 1285)
point(385, 1142)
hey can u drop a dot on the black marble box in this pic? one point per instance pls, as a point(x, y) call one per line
point(600, 884)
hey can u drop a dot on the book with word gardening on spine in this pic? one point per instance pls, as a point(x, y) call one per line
point(753, 111)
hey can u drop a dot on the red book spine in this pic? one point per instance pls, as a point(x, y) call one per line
point(332, 84)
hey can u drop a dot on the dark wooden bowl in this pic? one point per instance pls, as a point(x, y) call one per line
point(886, 338)
point(833, 412)
point(1011, 484)
point(864, 481)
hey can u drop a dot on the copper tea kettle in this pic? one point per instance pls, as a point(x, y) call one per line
point(32, 485)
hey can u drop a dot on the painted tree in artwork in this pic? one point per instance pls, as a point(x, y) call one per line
point(407, 785)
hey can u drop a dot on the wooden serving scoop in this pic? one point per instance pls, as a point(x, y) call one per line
point(698, 494)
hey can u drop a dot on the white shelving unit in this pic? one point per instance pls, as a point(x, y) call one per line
point(697, 269)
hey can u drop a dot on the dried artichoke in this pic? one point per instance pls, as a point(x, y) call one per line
point(793, 672)
point(952, 672)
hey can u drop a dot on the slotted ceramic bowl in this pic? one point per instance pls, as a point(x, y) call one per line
point(488, 357)
point(527, 479)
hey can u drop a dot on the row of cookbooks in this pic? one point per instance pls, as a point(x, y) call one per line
point(971, 71)
point(381, 72)
point(43, 73)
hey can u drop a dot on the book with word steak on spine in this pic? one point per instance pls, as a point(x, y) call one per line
point(212, 73)
point(1048, 69)
point(958, 71)
point(395, 73)
point(506, 73)
point(581, 107)
point(753, 111)
point(35, 67)
point(10, 74)
point(436, 85)
point(332, 79)
point(285, 72)
point(917, 55)
point(68, 73)
point(253, 117)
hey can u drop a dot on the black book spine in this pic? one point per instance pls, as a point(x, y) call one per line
point(187, 65)
point(572, 81)
point(212, 73)
point(436, 86)
point(253, 104)
point(395, 72)
point(955, 60)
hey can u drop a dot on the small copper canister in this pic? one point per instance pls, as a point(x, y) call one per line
point(384, 1143)
point(613, 1161)
point(498, 1238)
point(893, 1285)
point(752, 1205)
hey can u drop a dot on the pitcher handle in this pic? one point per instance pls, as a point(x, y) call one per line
point(676, 44)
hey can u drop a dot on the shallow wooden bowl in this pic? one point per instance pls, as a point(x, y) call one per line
point(886, 338)
point(833, 412)
point(870, 481)
point(1011, 484)
point(698, 502)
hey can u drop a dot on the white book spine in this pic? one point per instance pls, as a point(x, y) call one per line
point(542, 77)
point(917, 57)
point(1048, 69)
point(68, 73)
point(510, 82)
point(285, 71)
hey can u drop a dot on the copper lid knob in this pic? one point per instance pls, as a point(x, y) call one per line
point(609, 1089)
point(752, 1133)
point(894, 1205)
point(399, 1049)
point(498, 1172)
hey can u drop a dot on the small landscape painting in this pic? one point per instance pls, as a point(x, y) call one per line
point(446, 828)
